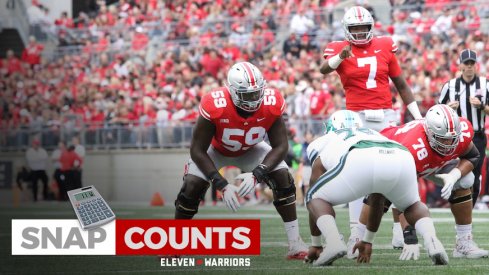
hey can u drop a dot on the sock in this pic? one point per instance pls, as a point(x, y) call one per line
point(292, 230)
point(327, 225)
point(397, 227)
point(426, 228)
point(355, 209)
point(463, 230)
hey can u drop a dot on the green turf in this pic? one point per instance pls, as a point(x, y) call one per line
point(273, 249)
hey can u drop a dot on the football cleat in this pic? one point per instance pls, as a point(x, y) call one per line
point(298, 250)
point(331, 253)
point(436, 251)
point(465, 247)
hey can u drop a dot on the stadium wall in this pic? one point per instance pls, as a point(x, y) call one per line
point(125, 175)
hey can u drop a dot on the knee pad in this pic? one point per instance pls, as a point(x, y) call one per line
point(284, 196)
point(467, 181)
point(460, 199)
point(186, 205)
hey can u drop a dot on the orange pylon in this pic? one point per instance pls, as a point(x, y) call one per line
point(157, 200)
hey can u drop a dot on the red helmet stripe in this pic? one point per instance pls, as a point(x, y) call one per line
point(249, 72)
point(448, 115)
point(359, 14)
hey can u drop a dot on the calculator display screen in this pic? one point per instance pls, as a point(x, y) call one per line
point(84, 195)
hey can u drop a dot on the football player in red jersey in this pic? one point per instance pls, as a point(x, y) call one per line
point(365, 63)
point(444, 153)
point(230, 130)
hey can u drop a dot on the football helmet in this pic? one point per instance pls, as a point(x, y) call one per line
point(343, 119)
point(246, 86)
point(358, 16)
point(442, 126)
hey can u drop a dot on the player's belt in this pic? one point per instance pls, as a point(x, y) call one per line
point(370, 144)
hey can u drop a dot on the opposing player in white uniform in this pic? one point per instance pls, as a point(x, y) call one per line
point(350, 162)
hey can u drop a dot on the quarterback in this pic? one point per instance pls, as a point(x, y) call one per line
point(231, 129)
point(364, 64)
point(350, 162)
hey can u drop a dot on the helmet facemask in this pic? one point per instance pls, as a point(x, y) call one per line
point(248, 99)
point(442, 127)
point(359, 38)
point(444, 145)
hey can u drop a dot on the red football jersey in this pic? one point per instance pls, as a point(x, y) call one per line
point(413, 136)
point(365, 75)
point(234, 133)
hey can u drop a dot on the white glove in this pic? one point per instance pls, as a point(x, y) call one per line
point(449, 181)
point(410, 251)
point(229, 197)
point(248, 184)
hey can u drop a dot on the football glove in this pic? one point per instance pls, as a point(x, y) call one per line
point(248, 184)
point(449, 181)
point(229, 197)
point(411, 246)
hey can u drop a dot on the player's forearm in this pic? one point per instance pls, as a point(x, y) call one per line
point(275, 156)
point(376, 202)
point(203, 161)
point(325, 68)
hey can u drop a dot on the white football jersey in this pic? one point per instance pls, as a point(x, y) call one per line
point(332, 146)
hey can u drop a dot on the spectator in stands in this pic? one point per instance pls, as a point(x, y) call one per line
point(55, 158)
point(32, 52)
point(37, 159)
point(301, 23)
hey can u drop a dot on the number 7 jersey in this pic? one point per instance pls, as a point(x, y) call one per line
point(413, 136)
point(235, 135)
point(365, 75)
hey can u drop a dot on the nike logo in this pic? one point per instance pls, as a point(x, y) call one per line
point(260, 119)
point(377, 51)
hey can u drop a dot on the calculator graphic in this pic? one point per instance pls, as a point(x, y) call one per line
point(91, 209)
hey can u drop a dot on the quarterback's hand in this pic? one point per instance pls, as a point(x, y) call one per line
point(364, 251)
point(449, 181)
point(346, 52)
point(313, 254)
point(410, 251)
point(248, 184)
point(229, 197)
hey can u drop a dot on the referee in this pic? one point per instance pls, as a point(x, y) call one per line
point(468, 95)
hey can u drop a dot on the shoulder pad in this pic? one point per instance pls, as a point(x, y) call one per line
point(275, 101)
point(213, 104)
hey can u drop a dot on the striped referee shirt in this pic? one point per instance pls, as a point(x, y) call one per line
point(457, 89)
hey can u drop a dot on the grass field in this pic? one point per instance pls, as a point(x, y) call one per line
point(273, 245)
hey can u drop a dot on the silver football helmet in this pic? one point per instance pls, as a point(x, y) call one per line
point(442, 126)
point(358, 16)
point(246, 86)
point(343, 119)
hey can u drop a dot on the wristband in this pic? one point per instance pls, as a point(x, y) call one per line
point(414, 110)
point(335, 61)
point(217, 180)
point(316, 241)
point(368, 237)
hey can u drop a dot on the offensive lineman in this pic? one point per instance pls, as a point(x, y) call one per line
point(230, 130)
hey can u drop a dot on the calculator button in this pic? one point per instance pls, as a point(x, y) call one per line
point(102, 217)
point(84, 214)
point(85, 218)
point(100, 214)
point(105, 208)
point(108, 214)
point(86, 222)
point(94, 220)
point(92, 216)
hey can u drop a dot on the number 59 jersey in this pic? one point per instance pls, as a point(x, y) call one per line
point(413, 136)
point(235, 135)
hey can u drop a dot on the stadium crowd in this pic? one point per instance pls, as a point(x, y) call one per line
point(134, 72)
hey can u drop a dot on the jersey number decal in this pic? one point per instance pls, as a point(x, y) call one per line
point(372, 61)
point(219, 99)
point(422, 152)
point(408, 126)
point(463, 129)
point(269, 97)
point(252, 137)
